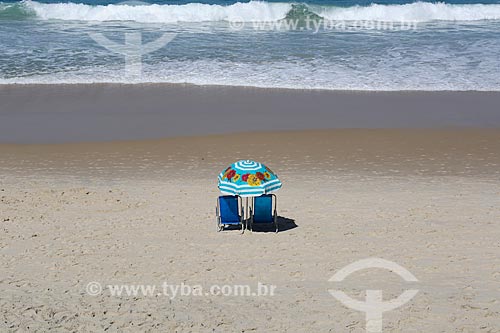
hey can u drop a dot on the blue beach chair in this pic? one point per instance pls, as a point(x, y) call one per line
point(264, 212)
point(229, 211)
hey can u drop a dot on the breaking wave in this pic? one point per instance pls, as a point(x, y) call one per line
point(252, 11)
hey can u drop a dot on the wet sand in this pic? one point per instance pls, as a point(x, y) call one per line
point(405, 152)
point(105, 112)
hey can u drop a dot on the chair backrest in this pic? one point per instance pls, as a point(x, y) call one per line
point(229, 208)
point(263, 209)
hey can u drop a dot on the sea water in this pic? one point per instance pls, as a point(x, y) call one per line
point(314, 44)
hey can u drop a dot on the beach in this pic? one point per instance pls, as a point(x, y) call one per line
point(375, 124)
point(142, 212)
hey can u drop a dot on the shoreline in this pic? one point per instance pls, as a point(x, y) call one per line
point(221, 86)
point(97, 113)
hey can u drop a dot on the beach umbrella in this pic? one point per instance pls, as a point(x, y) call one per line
point(248, 178)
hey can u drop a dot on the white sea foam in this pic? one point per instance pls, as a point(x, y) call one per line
point(317, 75)
point(154, 13)
point(416, 12)
point(261, 11)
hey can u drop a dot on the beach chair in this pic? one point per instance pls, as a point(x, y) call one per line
point(229, 211)
point(263, 211)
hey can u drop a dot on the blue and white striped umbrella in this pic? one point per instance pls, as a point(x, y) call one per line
point(248, 178)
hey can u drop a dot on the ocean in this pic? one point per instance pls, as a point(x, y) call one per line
point(316, 44)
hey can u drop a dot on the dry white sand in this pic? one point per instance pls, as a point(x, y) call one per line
point(143, 213)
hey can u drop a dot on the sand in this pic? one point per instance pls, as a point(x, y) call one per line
point(142, 212)
point(105, 112)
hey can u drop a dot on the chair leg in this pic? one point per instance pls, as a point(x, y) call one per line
point(217, 219)
point(276, 222)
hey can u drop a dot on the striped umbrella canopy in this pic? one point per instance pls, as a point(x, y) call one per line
point(248, 178)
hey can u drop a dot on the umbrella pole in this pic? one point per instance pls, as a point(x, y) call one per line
point(246, 210)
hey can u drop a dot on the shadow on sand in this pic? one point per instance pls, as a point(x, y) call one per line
point(284, 224)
